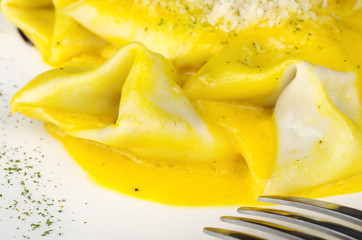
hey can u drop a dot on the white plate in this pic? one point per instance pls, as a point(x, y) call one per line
point(88, 211)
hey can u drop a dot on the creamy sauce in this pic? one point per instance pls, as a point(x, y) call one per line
point(335, 43)
point(227, 182)
point(175, 183)
point(194, 184)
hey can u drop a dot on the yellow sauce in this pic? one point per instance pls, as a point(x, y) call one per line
point(332, 44)
point(194, 184)
point(183, 182)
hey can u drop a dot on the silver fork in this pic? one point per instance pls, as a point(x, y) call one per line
point(339, 231)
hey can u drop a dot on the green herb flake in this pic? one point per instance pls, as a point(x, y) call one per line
point(48, 222)
point(35, 226)
point(26, 213)
point(46, 233)
point(161, 22)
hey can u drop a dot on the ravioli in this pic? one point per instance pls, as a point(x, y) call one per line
point(194, 101)
point(130, 102)
point(318, 117)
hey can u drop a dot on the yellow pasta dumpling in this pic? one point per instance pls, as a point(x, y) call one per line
point(131, 102)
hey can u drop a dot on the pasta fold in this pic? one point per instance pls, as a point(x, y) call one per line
point(58, 37)
point(131, 102)
point(318, 118)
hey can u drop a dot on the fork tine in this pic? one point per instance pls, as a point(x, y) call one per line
point(278, 230)
point(339, 211)
point(331, 228)
point(229, 234)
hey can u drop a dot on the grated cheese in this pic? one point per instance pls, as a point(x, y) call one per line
point(234, 15)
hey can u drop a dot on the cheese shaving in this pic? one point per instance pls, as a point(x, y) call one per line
point(234, 15)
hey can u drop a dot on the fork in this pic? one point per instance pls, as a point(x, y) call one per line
point(339, 231)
